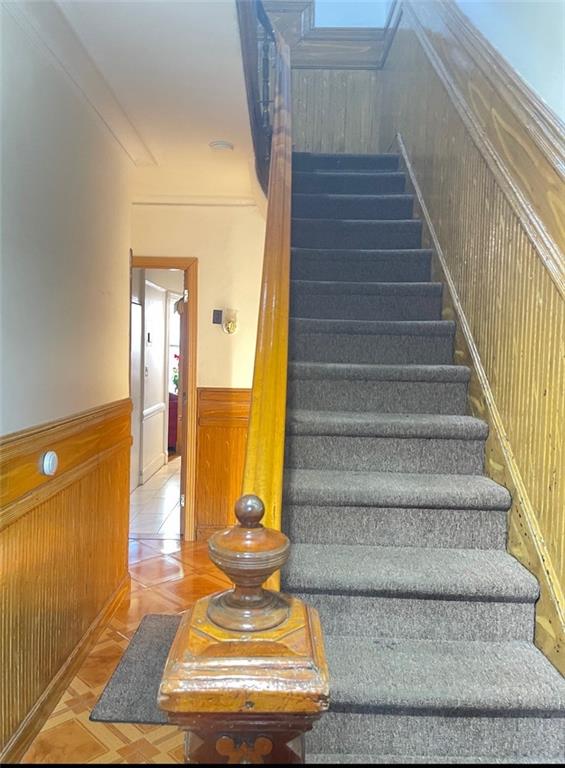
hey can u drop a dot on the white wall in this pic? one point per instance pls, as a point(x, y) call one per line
point(530, 34)
point(65, 240)
point(228, 243)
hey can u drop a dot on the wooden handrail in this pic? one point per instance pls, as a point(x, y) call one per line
point(263, 473)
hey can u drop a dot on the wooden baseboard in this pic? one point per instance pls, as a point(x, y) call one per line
point(525, 540)
point(31, 726)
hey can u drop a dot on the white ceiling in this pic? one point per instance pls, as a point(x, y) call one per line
point(175, 69)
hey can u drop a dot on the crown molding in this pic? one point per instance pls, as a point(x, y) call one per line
point(195, 201)
point(48, 28)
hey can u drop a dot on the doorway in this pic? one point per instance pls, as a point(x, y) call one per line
point(163, 392)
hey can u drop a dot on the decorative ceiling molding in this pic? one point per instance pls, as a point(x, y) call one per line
point(47, 26)
point(203, 201)
point(324, 47)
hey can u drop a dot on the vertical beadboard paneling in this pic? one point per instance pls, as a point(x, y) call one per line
point(223, 417)
point(335, 110)
point(63, 557)
point(514, 309)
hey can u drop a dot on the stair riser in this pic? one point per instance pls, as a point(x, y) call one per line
point(360, 208)
point(376, 349)
point(344, 163)
point(378, 396)
point(430, 735)
point(420, 618)
point(399, 268)
point(309, 233)
point(385, 454)
point(396, 527)
point(378, 184)
point(364, 307)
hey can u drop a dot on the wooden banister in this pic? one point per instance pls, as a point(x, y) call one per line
point(263, 473)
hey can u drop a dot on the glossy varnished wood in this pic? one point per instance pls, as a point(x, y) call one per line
point(223, 417)
point(76, 440)
point(265, 444)
point(167, 578)
point(63, 552)
point(521, 139)
point(246, 675)
point(499, 254)
point(336, 110)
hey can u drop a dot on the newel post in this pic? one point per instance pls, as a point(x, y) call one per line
point(246, 676)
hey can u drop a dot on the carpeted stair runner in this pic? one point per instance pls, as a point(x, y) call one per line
point(398, 538)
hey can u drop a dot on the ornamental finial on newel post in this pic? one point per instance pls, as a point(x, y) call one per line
point(249, 553)
point(246, 676)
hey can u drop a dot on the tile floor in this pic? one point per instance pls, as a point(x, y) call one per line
point(168, 576)
point(155, 505)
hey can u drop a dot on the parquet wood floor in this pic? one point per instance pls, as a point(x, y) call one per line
point(167, 577)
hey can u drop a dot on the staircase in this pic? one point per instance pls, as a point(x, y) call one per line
point(398, 537)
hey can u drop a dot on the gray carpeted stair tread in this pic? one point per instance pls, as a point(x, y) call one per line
point(366, 301)
point(313, 160)
point(333, 288)
point(349, 182)
point(374, 759)
point(365, 372)
point(406, 264)
point(351, 233)
point(374, 327)
point(375, 342)
point(441, 574)
point(443, 676)
point(350, 206)
point(406, 425)
point(393, 489)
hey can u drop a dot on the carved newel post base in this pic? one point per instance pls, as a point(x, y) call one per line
point(246, 676)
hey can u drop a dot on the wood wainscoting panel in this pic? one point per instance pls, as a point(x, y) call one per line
point(63, 558)
point(336, 110)
point(505, 295)
point(223, 416)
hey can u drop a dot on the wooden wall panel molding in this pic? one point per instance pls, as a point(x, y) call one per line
point(64, 552)
point(76, 440)
point(336, 110)
point(223, 417)
point(511, 325)
point(32, 724)
point(519, 137)
point(494, 214)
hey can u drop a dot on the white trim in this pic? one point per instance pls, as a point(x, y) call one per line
point(154, 466)
point(195, 200)
point(154, 410)
point(48, 27)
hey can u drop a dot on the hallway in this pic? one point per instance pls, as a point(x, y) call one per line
point(155, 506)
point(166, 577)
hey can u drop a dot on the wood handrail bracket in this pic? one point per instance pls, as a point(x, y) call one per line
point(263, 473)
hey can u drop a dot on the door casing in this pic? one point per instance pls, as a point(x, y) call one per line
point(188, 399)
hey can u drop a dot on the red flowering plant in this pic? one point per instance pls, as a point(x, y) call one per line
point(176, 374)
